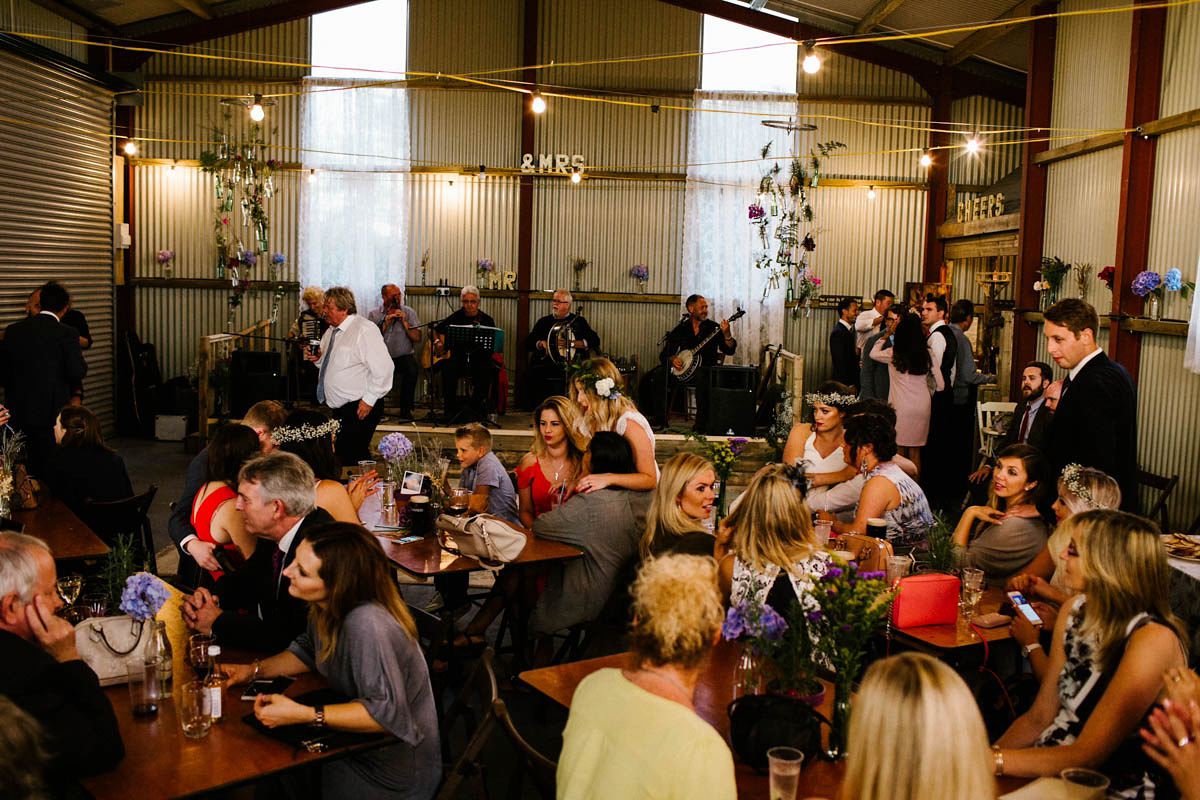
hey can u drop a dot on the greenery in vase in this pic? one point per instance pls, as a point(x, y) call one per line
point(939, 557)
point(119, 564)
point(852, 606)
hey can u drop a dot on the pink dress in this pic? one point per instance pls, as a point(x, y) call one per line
point(909, 395)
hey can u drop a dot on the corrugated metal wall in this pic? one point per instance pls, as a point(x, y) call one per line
point(614, 137)
point(486, 127)
point(1181, 61)
point(994, 161)
point(57, 210)
point(890, 150)
point(1169, 422)
point(1083, 197)
point(841, 76)
point(1174, 238)
point(283, 45)
point(26, 16)
point(1091, 69)
point(461, 224)
point(964, 271)
point(466, 36)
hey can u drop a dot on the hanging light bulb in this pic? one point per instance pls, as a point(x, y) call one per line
point(312, 176)
point(482, 172)
point(973, 144)
point(576, 177)
point(256, 110)
point(130, 147)
point(450, 184)
point(870, 192)
point(926, 158)
point(811, 63)
point(174, 164)
point(538, 104)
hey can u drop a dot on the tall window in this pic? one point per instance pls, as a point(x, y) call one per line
point(361, 41)
point(761, 62)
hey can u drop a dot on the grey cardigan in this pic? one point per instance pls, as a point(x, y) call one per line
point(1003, 550)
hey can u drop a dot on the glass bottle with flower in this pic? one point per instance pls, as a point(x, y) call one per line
point(143, 596)
point(484, 267)
point(724, 455)
point(777, 653)
point(164, 258)
point(640, 274)
point(1054, 269)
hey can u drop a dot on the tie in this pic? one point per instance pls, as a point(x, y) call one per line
point(325, 366)
point(1024, 426)
point(276, 565)
point(1066, 385)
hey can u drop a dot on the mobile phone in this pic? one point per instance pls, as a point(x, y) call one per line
point(267, 686)
point(1021, 604)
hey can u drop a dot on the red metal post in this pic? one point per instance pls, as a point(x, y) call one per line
point(939, 172)
point(529, 53)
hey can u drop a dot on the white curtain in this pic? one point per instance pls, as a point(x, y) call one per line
point(1191, 357)
point(718, 239)
point(355, 217)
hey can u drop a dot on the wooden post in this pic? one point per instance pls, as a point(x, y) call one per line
point(939, 173)
point(529, 52)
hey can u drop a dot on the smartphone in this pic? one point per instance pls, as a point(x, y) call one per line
point(267, 686)
point(1022, 605)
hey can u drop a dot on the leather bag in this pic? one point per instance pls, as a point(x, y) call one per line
point(484, 537)
point(106, 643)
point(25, 489)
point(930, 599)
point(758, 722)
point(869, 553)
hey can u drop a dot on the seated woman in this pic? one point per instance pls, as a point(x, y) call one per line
point(361, 639)
point(634, 732)
point(1110, 650)
point(821, 445)
point(1013, 530)
point(681, 505)
point(82, 467)
point(916, 734)
point(214, 510)
point(598, 393)
point(309, 434)
point(773, 554)
point(547, 474)
point(888, 491)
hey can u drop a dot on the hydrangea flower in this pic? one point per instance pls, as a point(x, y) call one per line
point(640, 272)
point(143, 595)
point(395, 447)
point(1146, 282)
point(1173, 280)
point(279, 258)
point(249, 259)
point(485, 265)
point(166, 255)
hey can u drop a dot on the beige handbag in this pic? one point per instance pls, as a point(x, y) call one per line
point(106, 643)
point(483, 537)
point(870, 553)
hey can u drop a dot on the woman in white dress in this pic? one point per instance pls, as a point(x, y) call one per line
point(820, 445)
point(599, 393)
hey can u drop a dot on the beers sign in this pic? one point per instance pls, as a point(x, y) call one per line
point(980, 207)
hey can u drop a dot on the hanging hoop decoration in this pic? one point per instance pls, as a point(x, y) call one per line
point(791, 126)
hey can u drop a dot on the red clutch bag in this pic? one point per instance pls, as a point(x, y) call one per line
point(926, 600)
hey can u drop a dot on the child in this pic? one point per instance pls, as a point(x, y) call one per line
point(483, 473)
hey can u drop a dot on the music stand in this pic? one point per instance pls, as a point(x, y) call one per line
point(466, 344)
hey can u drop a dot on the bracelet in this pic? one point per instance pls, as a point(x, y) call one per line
point(318, 716)
point(998, 755)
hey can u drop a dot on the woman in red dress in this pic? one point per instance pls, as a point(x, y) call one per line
point(214, 511)
point(547, 474)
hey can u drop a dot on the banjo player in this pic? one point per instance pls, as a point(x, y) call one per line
point(555, 340)
point(692, 331)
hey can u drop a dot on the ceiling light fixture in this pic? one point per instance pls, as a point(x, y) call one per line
point(538, 104)
point(870, 192)
point(926, 158)
point(255, 103)
point(811, 63)
point(973, 144)
point(130, 147)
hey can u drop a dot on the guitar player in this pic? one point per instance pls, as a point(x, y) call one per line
point(690, 332)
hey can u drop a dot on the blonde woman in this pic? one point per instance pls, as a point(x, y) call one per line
point(309, 325)
point(600, 396)
point(681, 505)
point(774, 557)
point(548, 473)
point(915, 734)
point(634, 732)
point(1110, 650)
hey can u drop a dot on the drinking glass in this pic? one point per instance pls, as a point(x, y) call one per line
point(897, 568)
point(784, 765)
point(972, 589)
point(96, 603)
point(824, 529)
point(1084, 784)
point(458, 502)
point(198, 653)
point(144, 693)
point(69, 587)
point(194, 710)
point(365, 466)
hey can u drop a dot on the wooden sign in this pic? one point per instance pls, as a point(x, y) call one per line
point(979, 207)
point(552, 162)
point(502, 280)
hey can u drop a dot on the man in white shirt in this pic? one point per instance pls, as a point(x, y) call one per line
point(355, 373)
point(871, 321)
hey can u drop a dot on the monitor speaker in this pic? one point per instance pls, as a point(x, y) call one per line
point(254, 376)
point(725, 400)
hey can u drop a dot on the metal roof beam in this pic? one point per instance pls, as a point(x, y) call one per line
point(197, 7)
point(878, 13)
point(982, 38)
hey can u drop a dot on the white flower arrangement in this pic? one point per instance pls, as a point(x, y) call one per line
point(604, 387)
point(831, 399)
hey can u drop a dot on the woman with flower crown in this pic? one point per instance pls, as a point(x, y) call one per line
point(598, 393)
point(309, 435)
point(821, 444)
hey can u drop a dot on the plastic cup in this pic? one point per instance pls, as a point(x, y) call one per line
point(144, 692)
point(897, 568)
point(784, 765)
point(824, 529)
point(195, 714)
point(1084, 784)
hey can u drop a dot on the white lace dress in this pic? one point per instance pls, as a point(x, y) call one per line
point(813, 462)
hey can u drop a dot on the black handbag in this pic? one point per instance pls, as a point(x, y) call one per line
point(758, 722)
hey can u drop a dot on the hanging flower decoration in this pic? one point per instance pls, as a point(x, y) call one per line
point(639, 273)
point(756, 211)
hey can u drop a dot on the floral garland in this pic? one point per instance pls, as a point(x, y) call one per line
point(1070, 476)
point(305, 432)
point(830, 399)
point(601, 385)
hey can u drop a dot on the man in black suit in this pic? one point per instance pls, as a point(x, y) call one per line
point(251, 608)
point(938, 462)
point(1029, 422)
point(694, 328)
point(43, 673)
point(1095, 424)
point(42, 367)
point(842, 344)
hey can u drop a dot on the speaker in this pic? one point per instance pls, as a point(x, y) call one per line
point(725, 400)
point(253, 376)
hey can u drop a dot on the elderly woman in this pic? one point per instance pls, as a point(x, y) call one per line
point(309, 325)
point(680, 507)
point(915, 734)
point(605, 407)
point(1107, 659)
point(634, 732)
point(361, 639)
point(821, 444)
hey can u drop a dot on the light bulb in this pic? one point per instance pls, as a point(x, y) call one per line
point(537, 105)
point(811, 63)
point(256, 110)
point(130, 147)
point(450, 185)
point(312, 175)
point(926, 159)
point(482, 172)
point(870, 192)
point(576, 177)
point(973, 144)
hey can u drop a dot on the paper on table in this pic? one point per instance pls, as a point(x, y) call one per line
point(447, 559)
point(1041, 789)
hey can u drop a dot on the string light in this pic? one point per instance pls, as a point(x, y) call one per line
point(870, 192)
point(256, 110)
point(576, 177)
point(811, 63)
point(130, 147)
point(538, 104)
point(312, 176)
point(972, 144)
point(926, 158)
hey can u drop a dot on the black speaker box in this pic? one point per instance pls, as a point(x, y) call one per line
point(727, 396)
point(254, 376)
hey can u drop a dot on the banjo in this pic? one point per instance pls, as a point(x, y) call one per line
point(690, 356)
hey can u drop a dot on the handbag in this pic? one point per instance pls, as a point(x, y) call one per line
point(870, 553)
point(25, 489)
point(303, 736)
point(105, 644)
point(930, 599)
point(758, 722)
point(484, 537)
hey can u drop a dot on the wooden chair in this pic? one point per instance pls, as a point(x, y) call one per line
point(474, 706)
point(531, 763)
point(115, 518)
point(987, 415)
point(1165, 487)
point(434, 632)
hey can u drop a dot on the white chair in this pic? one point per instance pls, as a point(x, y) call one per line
point(989, 431)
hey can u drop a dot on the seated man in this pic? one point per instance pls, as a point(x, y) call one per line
point(43, 673)
point(547, 370)
point(251, 608)
point(473, 363)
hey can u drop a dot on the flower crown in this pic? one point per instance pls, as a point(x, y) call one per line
point(305, 432)
point(600, 384)
point(831, 399)
point(1070, 475)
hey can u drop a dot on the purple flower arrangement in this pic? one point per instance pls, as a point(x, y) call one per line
point(248, 258)
point(639, 272)
point(395, 447)
point(756, 211)
point(143, 595)
point(165, 255)
point(485, 265)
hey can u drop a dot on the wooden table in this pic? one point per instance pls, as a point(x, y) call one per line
point(161, 762)
point(940, 640)
point(57, 525)
point(424, 557)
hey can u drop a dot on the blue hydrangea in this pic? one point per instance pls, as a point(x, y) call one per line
point(1173, 280)
point(1145, 282)
point(279, 258)
point(735, 624)
point(395, 447)
point(143, 596)
point(773, 626)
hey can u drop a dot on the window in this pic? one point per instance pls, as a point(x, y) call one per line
point(365, 37)
point(769, 67)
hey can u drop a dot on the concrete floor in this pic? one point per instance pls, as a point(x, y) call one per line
point(163, 464)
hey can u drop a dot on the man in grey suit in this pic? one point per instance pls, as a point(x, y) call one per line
point(873, 380)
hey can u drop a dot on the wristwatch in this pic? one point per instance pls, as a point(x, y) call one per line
point(318, 716)
point(1026, 649)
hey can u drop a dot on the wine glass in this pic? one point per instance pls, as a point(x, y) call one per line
point(69, 587)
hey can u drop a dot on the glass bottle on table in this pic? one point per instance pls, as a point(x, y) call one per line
point(214, 683)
